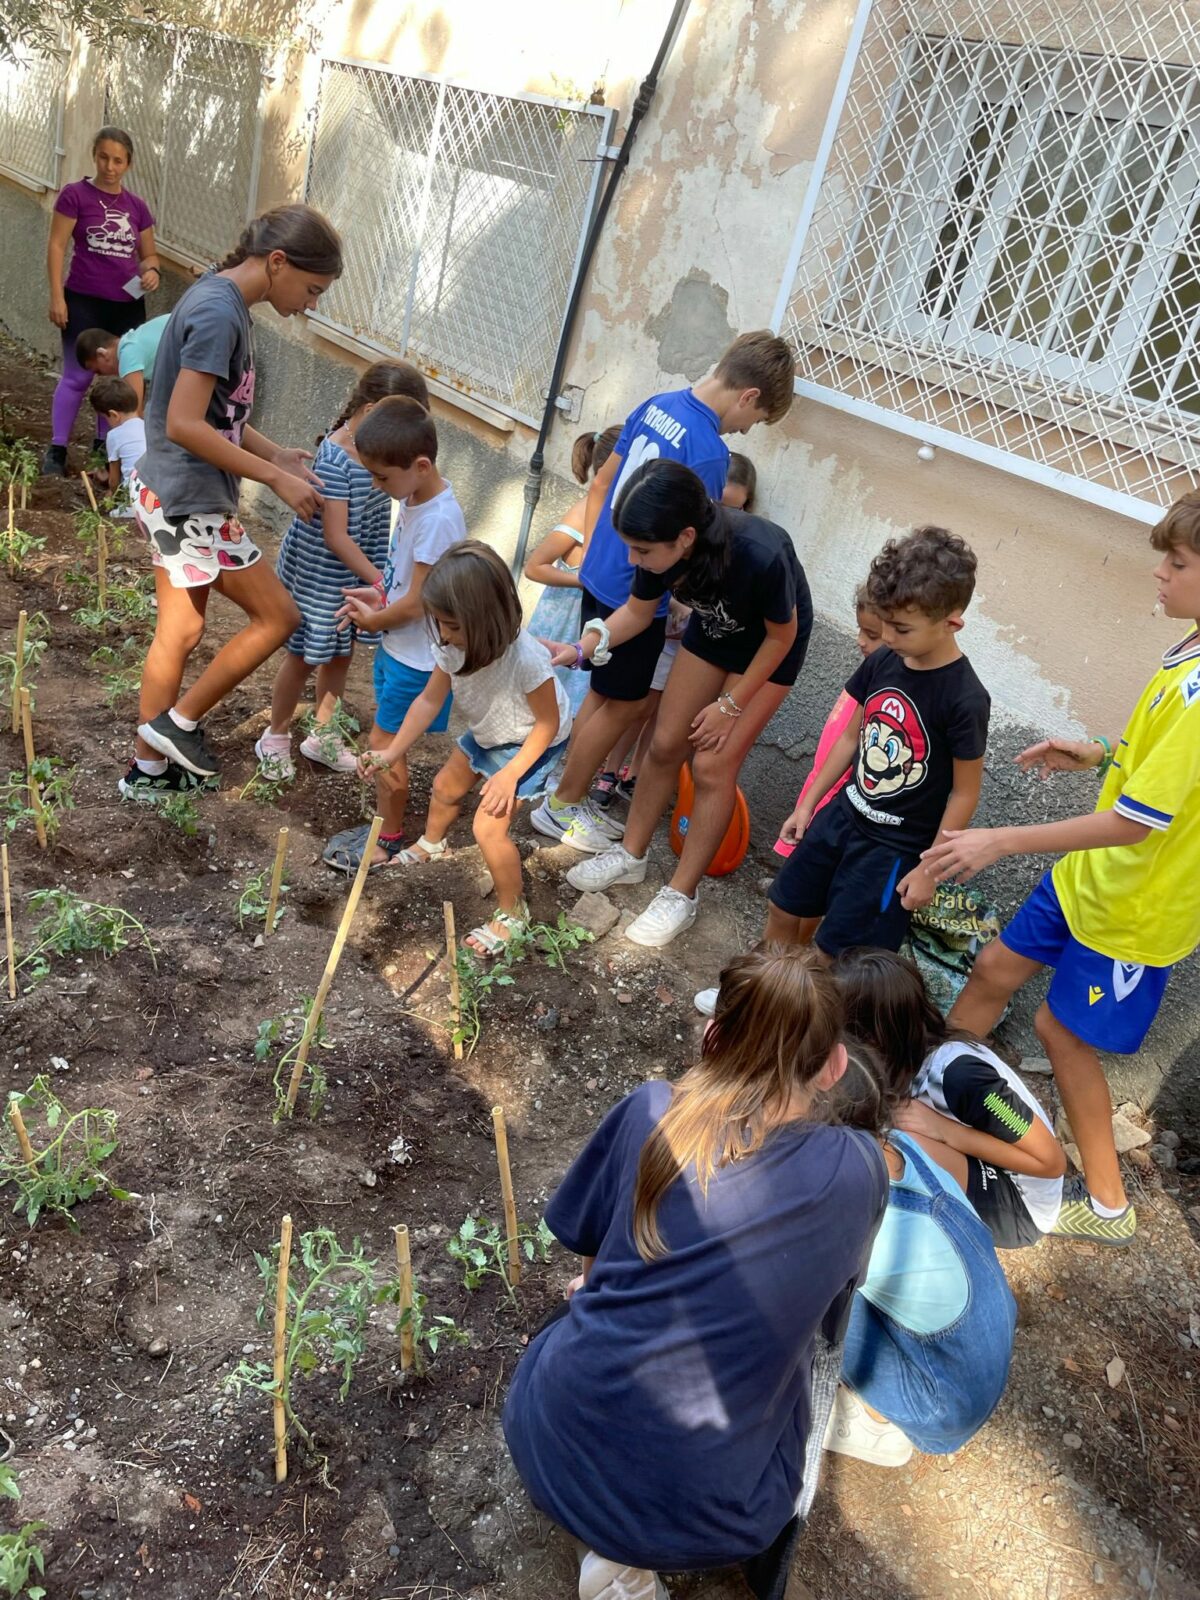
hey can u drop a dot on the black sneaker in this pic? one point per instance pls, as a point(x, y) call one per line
point(54, 462)
point(604, 790)
point(188, 750)
point(147, 788)
point(625, 789)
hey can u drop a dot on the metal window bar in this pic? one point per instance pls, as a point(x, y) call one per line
point(195, 101)
point(463, 213)
point(32, 95)
point(998, 251)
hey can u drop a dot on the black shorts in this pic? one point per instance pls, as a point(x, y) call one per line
point(91, 311)
point(838, 873)
point(697, 643)
point(997, 1202)
point(630, 673)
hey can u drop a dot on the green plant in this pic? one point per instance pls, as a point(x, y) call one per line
point(274, 1031)
point(430, 1331)
point(67, 1169)
point(477, 981)
point(74, 926)
point(55, 786)
point(126, 603)
point(268, 786)
point(16, 547)
point(121, 666)
point(180, 811)
point(37, 636)
point(253, 900)
point(481, 1249)
point(330, 1295)
point(554, 942)
point(19, 1555)
point(341, 729)
point(19, 464)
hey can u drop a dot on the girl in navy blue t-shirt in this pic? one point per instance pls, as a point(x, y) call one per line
point(669, 1417)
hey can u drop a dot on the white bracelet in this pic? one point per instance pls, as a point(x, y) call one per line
point(601, 655)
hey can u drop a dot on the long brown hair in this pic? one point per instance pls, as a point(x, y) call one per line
point(778, 1018)
point(381, 379)
point(591, 450)
point(470, 583)
point(306, 238)
point(888, 1010)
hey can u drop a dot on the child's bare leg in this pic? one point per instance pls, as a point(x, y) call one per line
point(1083, 1089)
point(287, 690)
point(590, 742)
point(451, 786)
point(331, 686)
point(177, 631)
point(628, 741)
point(996, 976)
point(391, 788)
point(272, 617)
point(642, 749)
point(783, 928)
point(503, 862)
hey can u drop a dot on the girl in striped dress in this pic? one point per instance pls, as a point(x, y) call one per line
point(343, 545)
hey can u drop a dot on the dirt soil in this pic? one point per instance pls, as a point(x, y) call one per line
point(156, 1481)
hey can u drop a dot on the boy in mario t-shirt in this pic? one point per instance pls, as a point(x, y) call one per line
point(914, 747)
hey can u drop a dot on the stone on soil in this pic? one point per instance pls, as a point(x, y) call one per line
point(595, 913)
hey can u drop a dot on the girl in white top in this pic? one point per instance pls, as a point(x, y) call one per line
point(517, 717)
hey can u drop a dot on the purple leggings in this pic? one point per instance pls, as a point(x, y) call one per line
point(86, 311)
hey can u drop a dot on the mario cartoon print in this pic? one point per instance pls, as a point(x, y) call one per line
point(893, 747)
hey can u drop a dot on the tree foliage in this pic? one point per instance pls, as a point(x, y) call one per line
point(40, 26)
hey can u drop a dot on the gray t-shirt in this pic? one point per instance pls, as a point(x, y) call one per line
point(209, 331)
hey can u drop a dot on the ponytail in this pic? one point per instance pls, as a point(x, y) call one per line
point(591, 450)
point(378, 382)
point(303, 235)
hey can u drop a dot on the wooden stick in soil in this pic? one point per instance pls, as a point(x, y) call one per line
point(404, 1274)
point(506, 1189)
point(335, 955)
point(455, 991)
point(18, 1122)
point(276, 881)
point(281, 1302)
point(35, 793)
point(8, 929)
point(12, 558)
point(101, 547)
point(19, 669)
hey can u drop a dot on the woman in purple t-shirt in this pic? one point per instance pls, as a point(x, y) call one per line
point(113, 235)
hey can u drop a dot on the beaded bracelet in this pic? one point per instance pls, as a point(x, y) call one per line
point(735, 710)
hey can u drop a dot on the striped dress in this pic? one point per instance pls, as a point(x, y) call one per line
point(313, 575)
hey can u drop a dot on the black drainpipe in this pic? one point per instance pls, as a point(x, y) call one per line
point(645, 94)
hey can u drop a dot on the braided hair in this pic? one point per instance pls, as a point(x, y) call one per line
point(304, 236)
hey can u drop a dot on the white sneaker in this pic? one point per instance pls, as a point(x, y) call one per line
point(601, 1579)
point(614, 865)
point(853, 1431)
point(667, 915)
point(335, 755)
point(274, 752)
point(706, 1002)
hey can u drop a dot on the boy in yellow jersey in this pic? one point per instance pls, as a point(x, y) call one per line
point(1109, 918)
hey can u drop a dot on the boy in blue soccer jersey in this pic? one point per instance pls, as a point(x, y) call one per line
point(753, 382)
point(1110, 917)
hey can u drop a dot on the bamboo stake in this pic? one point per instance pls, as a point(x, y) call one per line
point(12, 560)
point(276, 881)
point(335, 955)
point(8, 928)
point(404, 1270)
point(101, 547)
point(19, 669)
point(18, 1122)
point(455, 991)
point(35, 793)
point(281, 1305)
point(506, 1189)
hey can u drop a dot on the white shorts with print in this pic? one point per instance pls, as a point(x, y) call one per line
point(196, 549)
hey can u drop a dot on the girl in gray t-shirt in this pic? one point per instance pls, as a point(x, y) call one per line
point(185, 488)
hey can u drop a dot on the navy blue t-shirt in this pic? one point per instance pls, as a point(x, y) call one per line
point(675, 427)
point(663, 1420)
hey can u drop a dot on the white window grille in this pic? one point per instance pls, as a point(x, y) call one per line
point(463, 214)
point(193, 102)
point(31, 112)
point(1001, 247)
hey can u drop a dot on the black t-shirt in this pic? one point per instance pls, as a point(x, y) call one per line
point(915, 726)
point(763, 581)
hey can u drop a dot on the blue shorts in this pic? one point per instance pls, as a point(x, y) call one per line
point(487, 760)
point(1108, 1004)
point(396, 687)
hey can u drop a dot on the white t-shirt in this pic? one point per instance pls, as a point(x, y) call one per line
point(422, 533)
point(494, 699)
point(127, 444)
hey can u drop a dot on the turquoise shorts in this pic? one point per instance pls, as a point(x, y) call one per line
point(396, 687)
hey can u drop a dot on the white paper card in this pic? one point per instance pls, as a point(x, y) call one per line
point(134, 288)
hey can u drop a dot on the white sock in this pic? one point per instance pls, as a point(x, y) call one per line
point(152, 769)
point(180, 721)
point(1102, 1210)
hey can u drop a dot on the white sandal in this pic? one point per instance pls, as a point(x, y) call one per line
point(515, 921)
point(432, 852)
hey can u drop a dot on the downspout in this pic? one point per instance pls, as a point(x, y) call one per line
point(641, 104)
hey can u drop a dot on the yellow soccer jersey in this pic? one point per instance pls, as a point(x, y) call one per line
point(1141, 902)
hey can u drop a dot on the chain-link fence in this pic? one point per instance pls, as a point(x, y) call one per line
point(1005, 243)
point(31, 106)
point(463, 214)
point(192, 102)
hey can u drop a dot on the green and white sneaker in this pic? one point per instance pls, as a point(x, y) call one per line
point(1079, 1220)
point(579, 825)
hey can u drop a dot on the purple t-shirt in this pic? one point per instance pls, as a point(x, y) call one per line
point(107, 227)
